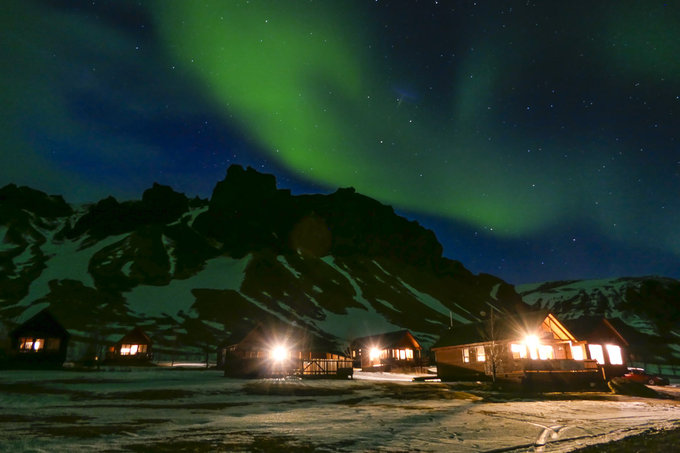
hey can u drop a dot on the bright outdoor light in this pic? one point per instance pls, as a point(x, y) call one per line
point(279, 353)
point(532, 345)
point(374, 353)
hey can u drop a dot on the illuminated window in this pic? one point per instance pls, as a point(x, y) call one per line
point(596, 353)
point(614, 352)
point(546, 352)
point(466, 355)
point(518, 351)
point(26, 344)
point(481, 355)
point(402, 354)
point(577, 352)
point(409, 354)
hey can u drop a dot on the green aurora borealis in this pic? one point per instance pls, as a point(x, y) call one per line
point(535, 127)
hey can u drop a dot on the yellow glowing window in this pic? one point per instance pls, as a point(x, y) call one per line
point(481, 355)
point(466, 355)
point(577, 352)
point(546, 352)
point(596, 353)
point(614, 352)
point(519, 351)
point(26, 344)
point(409, 353)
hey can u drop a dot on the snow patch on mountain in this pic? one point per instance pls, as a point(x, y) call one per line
point(66, 260)
point(355, 323)
point(218, 273)
point(433, 303)
point(355, 286)
point(282, 259)
point(169, 246)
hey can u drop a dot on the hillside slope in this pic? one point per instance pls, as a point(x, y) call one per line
point(645, 309)
point(197, 273)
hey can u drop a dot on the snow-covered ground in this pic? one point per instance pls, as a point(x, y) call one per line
point(199, 410)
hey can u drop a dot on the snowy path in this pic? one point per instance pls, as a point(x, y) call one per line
point(172, 410)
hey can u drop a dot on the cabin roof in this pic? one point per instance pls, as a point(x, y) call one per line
point(505, 327)
point(267, 335)
point(135, 336)
point(386, 340)
point(43, 323)
point(595, 329)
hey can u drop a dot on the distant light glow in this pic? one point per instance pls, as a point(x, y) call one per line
point(374, 354)
point(279, 353)
point(532, 345)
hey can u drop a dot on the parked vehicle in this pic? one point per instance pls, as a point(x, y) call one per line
point(641, 376)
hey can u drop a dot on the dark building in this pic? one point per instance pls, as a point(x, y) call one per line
point(390, 351)
point(605, 344)
point(532, 348)
point(40, 342)
point(279, 350)
point(133, 348)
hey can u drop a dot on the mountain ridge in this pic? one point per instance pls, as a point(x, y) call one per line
point(197, 273)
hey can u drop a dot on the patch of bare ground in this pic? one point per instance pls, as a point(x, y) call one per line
point(66, 418)
point(230, 442)
point(148, 395)
point(424, 392)
point(85, 431)
point(180, 405)
point(283, 388)
point(31, 388)
point(650, 441)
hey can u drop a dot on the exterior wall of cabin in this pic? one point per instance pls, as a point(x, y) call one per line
point(38, 348)
point(611, 359)
point(259, 363)
point(511, 359)
point(389, 357)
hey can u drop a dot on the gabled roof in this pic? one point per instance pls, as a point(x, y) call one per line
point(265, 336)
point(135, 336)
point(387, 340)
point(595, 329)
point(504, 327)
point(43, 323)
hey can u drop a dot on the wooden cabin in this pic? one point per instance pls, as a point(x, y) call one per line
point(606, 345)
point(390, 351)
point(532, 348)
point(134, 348)
point(40, 342)
point(278, 350)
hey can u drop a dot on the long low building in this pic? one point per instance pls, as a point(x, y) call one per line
point(533, 348)
point(279, 350)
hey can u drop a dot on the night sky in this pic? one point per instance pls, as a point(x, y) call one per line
point(539, 140)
